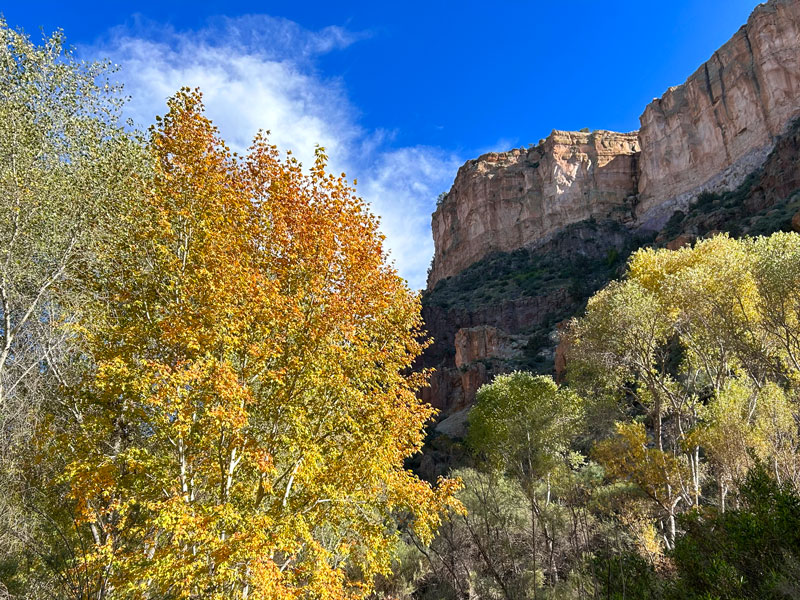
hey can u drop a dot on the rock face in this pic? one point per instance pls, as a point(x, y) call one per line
point(707, 134)
point(506, 200)
point(716, 128)
point(476, 340)
point(473, 345)
point(481, 342)
point(562, 349)
point(723, 149)
point(681, 241)
point(781, 172)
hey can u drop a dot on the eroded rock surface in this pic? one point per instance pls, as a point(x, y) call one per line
point(481, 342)
point(506, 200)
point(707, 134)
point(720, 152)
point(713, 130)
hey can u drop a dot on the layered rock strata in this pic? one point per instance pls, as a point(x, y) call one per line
point(506, 200)
point(712, 131)
point(707, 134)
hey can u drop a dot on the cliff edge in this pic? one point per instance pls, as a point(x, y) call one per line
point(524, 237)
point(712, 131)
point(706, 135)
point(506, 200)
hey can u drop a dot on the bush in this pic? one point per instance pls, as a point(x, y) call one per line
point(752, 552)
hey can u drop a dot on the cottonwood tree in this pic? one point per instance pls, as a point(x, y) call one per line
point(244, 431)
point(710, 334)
point(67, 164)
point(695, 354)
point(776, 269)
point(524, 425)
point(656, 473)
point(622, 344)
point(67, 169)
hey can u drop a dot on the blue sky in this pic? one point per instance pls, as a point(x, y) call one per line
point(400, 93)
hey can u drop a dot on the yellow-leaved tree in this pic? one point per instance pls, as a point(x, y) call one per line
point(244, 430)
point(705, 340)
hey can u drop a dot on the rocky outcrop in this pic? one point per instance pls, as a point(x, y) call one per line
point(765, 202)
point(561, 351)
point(471, 346)
point(506, 200)
point(681, 241)
point(511, 316)
point(709, 133)
point(780, 176)
point(721, 152)
point(476, 339)
point(482, 342)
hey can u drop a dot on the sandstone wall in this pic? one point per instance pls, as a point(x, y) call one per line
point(712, 131)
point(737, 113)
point(484, 341)
point(707, 134)
point(502, 201)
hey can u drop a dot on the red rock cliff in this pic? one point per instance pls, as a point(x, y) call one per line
point(712, 131)
point(707, 134)
point(505, 200)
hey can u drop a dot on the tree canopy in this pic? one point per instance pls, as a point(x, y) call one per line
point(244, 429)
point(224, 349)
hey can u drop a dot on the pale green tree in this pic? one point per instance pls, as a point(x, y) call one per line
point(524, 425)
point(68, 167)
point(704, 339)
point(776, 269)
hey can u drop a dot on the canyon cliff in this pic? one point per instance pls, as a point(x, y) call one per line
point(524, 237)
point(711, 132)
point(506, 200)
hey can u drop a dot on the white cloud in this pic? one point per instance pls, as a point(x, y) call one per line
point(403, 185)
point(258, 72)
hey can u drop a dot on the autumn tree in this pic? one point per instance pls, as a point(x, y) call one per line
point(776, 270)
point(656, 473)
point(621, 347)
point(694, 353)
point(244, 430)
point(726, 436)
point(703, 337)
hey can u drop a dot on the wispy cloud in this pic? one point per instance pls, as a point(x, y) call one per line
point(258, 72)
point(402, 185)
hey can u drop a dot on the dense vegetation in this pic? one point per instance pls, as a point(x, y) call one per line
point(667, 467)
point(504, 276)
point(204, 372)
point(563, 272)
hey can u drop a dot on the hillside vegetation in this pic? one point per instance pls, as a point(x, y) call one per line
point(668, 466)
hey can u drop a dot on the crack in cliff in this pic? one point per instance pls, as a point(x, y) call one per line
point(754, 76)
point(723, 94)
point(714, 107)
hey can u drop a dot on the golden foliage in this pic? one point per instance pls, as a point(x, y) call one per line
point(244, 431)
point(706, 339)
